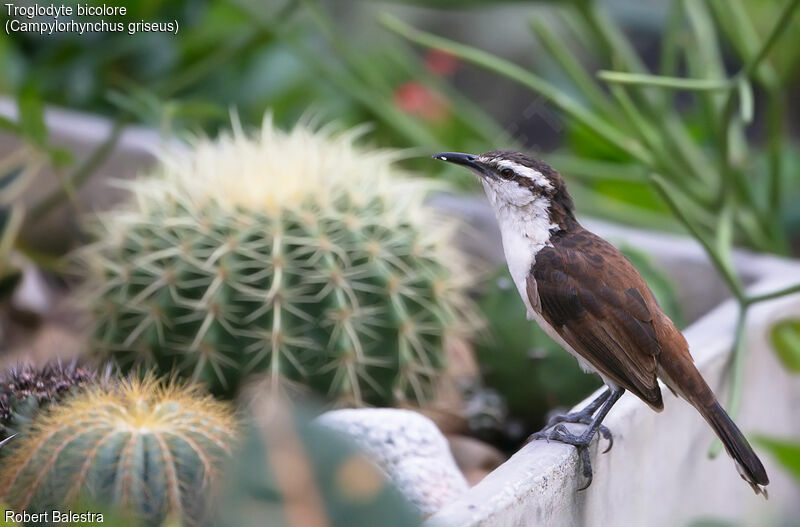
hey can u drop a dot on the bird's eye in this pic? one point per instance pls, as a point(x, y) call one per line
point(506, 173)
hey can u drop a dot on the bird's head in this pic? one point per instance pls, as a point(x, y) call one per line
point(518, 184)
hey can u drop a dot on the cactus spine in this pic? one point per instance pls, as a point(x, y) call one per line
point(151, 448)
point(25, 390)
point(296, 255)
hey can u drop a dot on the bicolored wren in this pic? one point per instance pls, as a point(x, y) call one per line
point(591, 300)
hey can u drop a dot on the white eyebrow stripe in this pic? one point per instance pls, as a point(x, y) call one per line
point(527, 172)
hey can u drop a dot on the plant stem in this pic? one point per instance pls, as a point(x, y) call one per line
point(82, 173)
point(674, 83)
point(572, 67)
point(783, 22)
point(200, 70)
point(412, 131)
point(774, 294)
point(725, 270)
point(595, 169)
point(668, 61)
point(686, 154)
point(9, 232)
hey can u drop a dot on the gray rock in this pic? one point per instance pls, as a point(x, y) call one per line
point(408, 447)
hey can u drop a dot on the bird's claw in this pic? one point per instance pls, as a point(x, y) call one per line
point(582, 417)
point(606, 433)
point(583, 455)
point(557, 431)
point(560, 433)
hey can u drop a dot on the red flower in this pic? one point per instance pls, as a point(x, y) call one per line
point(416, 99)
point(441, 62)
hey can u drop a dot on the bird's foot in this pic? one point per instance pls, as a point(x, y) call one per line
point(601, 405)
point(581, 442)
point(583, 417)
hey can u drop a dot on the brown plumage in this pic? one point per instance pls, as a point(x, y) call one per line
point(600, 305)
point(594, 298)
point(586, 294)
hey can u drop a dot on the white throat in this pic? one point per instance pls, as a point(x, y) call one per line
point(525, 230)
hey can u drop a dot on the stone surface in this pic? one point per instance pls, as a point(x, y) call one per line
point(408, 447)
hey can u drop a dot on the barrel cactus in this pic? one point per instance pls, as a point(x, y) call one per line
point(150, 448)
point(298, 256)
point(26, 389)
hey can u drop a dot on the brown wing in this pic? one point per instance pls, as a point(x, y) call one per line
point(595, 299)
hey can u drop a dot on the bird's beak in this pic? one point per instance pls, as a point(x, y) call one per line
point(468, 160)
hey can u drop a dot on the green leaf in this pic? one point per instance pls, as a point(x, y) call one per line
point(10, 225)
point(659, 81)
point(785, 452)
point(724, 235)
point(31, 116)
point(785, 337)
point(16, 174)
point(8, 125)
point(745, 100)
point(459, 4)
point(60, 157)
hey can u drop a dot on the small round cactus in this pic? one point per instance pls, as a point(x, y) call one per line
point(150, 448)
point(25, 390)
point(298, 256)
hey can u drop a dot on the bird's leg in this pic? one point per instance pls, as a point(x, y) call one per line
point(560, 433)
point(582, 416)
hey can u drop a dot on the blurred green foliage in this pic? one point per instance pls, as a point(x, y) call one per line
point(288, 58)
point(290, 472)
point(3, 522)
point(298, 56)
point(18, 171)
point(785, 336)
point(696, 162)
point(785, 452)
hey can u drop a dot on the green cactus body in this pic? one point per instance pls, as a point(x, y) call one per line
point(26, 390)
point(293, 255)
point(150, 449)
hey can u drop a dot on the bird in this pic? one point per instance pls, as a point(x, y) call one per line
point(590, 299)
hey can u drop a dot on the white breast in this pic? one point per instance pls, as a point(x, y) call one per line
point(524, 234)
point(522, 240)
